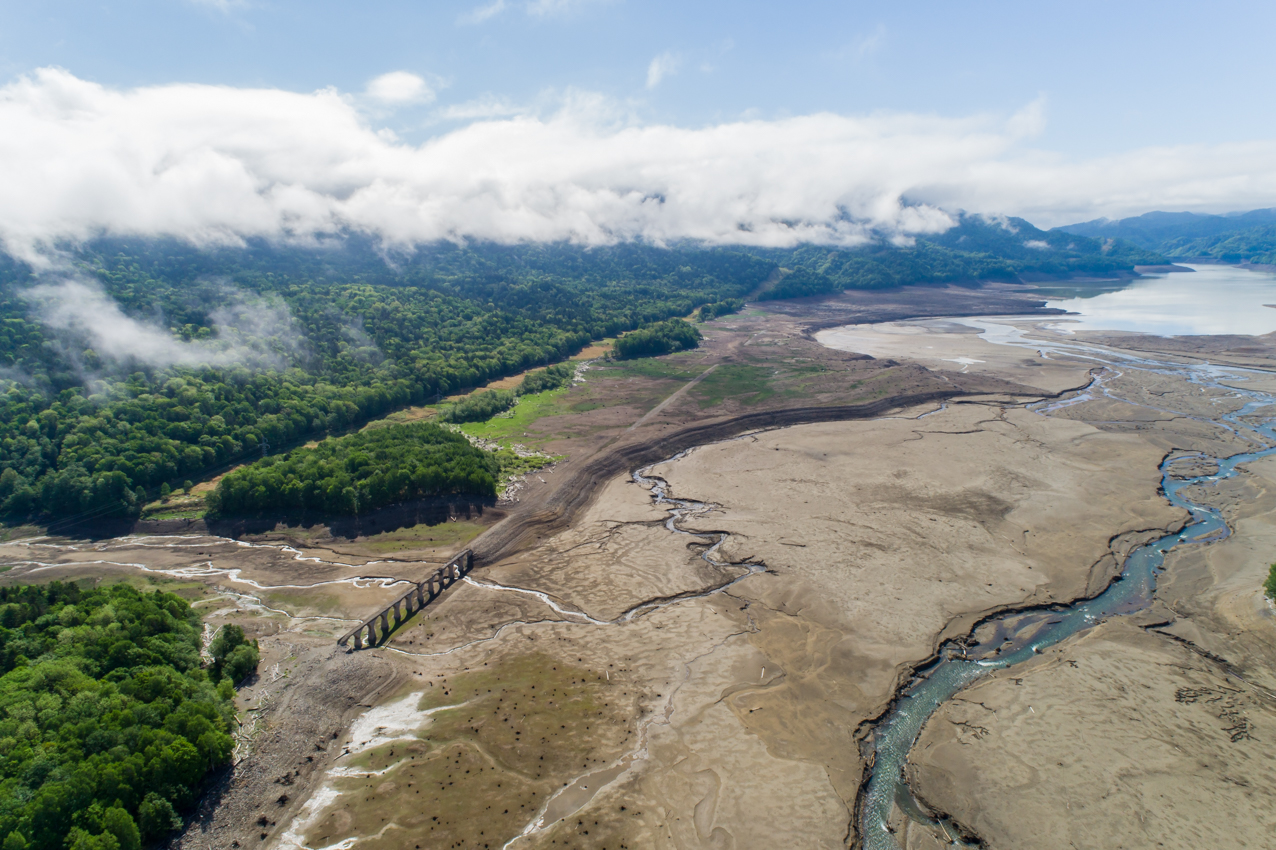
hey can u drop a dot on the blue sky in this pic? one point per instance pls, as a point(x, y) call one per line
point(598, 120)
point(1115, 75)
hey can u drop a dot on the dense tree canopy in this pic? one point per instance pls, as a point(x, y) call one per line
point(659, 338)
point(108, 724)
point(479, 407)
point(541, 380)
point(977, 249)
point(361, 472)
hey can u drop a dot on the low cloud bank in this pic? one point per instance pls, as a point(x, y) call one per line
point(247, 331)
point(215, 165)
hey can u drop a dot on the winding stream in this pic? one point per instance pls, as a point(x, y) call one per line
point(1018, 636)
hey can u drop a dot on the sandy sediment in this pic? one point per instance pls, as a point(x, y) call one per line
point(1146, 731)
point(1149, 732)
point(1120, 738)
point(873, 548)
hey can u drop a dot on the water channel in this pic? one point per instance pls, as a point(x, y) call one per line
point(1017, 636)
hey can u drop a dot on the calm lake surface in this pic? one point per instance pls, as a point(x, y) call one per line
point(1210, 300)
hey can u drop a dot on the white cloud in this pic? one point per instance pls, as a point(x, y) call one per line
point(1029, 121)
point(220, 5)
point(215, 164)
point(860, 48)
point(868, 45)
point(550, 8)
point(254, 332)
point(480, 14)
point(399, 87)
point(664, 65)
point(487, 106)
point(535, 8)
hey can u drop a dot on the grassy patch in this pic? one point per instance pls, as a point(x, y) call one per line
point(672, 366)
point(745, 384)
point(177, 506)
point(513, 465)
point(424, 536)
point(479, 772)
point(16, 532)
point(513, 423)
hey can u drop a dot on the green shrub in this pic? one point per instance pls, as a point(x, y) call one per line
point(478, 407)
point(709, 312)
point(234, 655)
point(800, 283)
point(1269, 586)
point(157, 817)
point(551, 378)
point(660, 338)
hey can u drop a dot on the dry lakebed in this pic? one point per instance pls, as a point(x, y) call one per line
point(819, 583)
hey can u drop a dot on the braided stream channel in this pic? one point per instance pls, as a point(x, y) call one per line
point(1018, 636)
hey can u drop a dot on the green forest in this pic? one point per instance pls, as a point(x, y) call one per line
point(976, 249)
point(1233, 238)
point(361, 472)
point(256, 350)
point(84, 436)
point(662, 338)
point(108, 721)
point(1255, 245)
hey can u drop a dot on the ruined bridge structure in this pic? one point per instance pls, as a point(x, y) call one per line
point(421, 594)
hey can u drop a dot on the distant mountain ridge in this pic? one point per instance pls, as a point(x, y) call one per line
point(977, 248)
point(1248, 237)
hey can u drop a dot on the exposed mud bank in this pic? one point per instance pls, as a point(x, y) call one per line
point(574, 492)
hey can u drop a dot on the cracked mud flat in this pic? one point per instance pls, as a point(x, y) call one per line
point(1153, 730)
point(738, 710)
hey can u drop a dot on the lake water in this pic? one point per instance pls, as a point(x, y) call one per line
point(1210, 300)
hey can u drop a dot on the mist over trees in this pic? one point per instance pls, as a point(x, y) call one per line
point(141, 363)
point(87, 436)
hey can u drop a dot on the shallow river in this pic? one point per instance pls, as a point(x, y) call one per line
point(1015, 637)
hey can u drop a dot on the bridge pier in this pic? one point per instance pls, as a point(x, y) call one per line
point(404, 607)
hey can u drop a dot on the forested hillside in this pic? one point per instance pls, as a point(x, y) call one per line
point(1243, 237)
point(108, 723)
point(131, 364)
point(269, 346)
point(976, 249)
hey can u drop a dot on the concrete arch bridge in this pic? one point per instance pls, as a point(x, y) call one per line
point(401, 609)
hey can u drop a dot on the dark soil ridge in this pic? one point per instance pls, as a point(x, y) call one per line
point(431, 511)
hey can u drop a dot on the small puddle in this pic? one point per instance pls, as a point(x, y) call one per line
point(574, 797)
